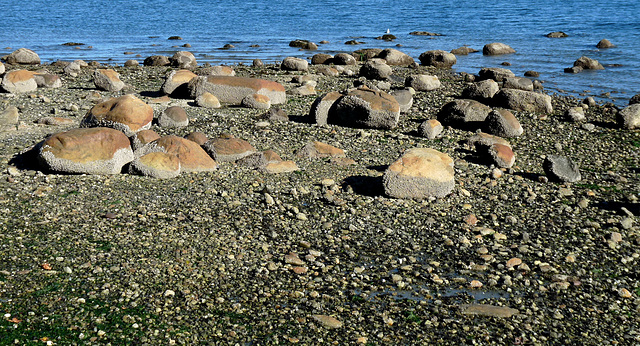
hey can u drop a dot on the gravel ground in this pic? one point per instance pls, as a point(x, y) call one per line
point(320, 256)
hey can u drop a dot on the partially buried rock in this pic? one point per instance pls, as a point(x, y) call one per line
point(197, 137)
point(9, 116)
point(497, 48)
point(108, 80)
point(498, 74)
point(561, 168)
point(91, 151)
point(176, 83)
point(629, 117)
point(227, 148)
point(503, 123)
point(420, 173)
point(156, 165)
point(575, 114)
point(23, 56)
point(588, 63)
point(231, 89)
point(521, 100)
point(556, 34)
point(463, 114)
point(126, 113)
point(317, 149)
point(319, 111)
point(157, 60)
point(256, 101)
point(207, 100)
point(437, 58)
point(366, 108)
point(430, 129)
point(423, 82)
point(464, 51)
point(46, 80)
point(174, 116)
point(19, 81)
point(294, 64)
point(184, 59)
point(281, 167)
point(191, 155)
point(376, 69)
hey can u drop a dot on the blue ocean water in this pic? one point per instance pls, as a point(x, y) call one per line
point(114, 27)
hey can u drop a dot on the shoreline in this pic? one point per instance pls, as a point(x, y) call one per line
point(215, 257)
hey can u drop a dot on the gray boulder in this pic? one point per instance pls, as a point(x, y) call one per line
point(437, 58)
point(395, 57)
point(497, 48)
point(463, 114)
point(520, 83)
point(404, 98)
point(575, 114)
point(629, 117)
point(174, 116)
point(294, 64)
point(344, 59)
point(423, 82)
point(501, 122)
point(23, 56)
point(184, 59)
point(588, 63)
point(498, 74)
point(366, 108)
point(561, 169)
point(521, 100)
point(481, 91)
point(376, 69)
point(319, 112)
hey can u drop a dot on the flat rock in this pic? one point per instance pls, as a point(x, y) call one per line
point(561, 169)
point(488, 310)
point(482, 139)
point(231, 89)
point(97, 150)
point(281, 167)
point(197, 137)
point(420, 173)
point(107, 80)
point(317, 149)
point(219, 70)
point(156, 165)
point(126, 113)
point(464, 50)
point(521, 100)
point(227, 148)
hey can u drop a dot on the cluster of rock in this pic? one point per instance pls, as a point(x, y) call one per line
point(584, 63)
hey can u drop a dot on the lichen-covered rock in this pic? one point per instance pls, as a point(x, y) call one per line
point(174, 116)
point(420, 173)
point(126, 113)
point(92, 151)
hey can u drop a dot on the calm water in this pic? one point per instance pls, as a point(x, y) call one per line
point(118, 26)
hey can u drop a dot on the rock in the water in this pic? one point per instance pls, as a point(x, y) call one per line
point(23, 56)
point(126, 113)
point(174, 116)
point(108, 80)
point(231, 89)
point(503, 123)
point(19, 81)
point(556, 34)
point(156, 165)
point(498, 74)
point(604, 43)
point(635, 99)
point(561, 168)
point(430, 129)
point(227, 148)
point(629, 117)
point(423, 82)
point(256, 101)
point(157, 60)
point(207, 100)
point(463, 114)
point(92, 151)
point(319, 112)
point(437, 58)
point(573, 69)
point(317, 149)
point(46, 80)
point(191, 155)
point(497, 48)
point(375, 69)
point(575, 114)
point(367, 108)
point(395, 57)
point(184, 60)
point(463, 51)
point(521, 100)
point(531, 73)
point(520, 83)
point(294, 64)
point(303, 44)
point(588, 64)
point(176, 83)
point(420, 173)
point(481, 91)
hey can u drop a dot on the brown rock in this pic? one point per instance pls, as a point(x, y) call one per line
point(437, 58)
point(156, 165)
point(191, 155)
point(420, 173)
point(317, 149)
point(141, 138)
point(497, 48)
point(256, 101)
point(281, 167)
point(177, 82)
point(207, 100)
point(233, 89)
point(488, 310)
point(126, 113)
point(197, 137)
point(174, 116)
point(157, 60)
point(108, 80)
point(227, 148)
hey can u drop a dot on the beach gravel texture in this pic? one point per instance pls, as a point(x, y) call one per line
point(318, 254)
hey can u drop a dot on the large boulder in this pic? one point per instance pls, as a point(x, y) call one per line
point(604, 43)
point(319, 111)
point(23, 56)
point(191, 155)
point(521, 100)
point(376, 69)
point(321, 58)
point(294, 64)
point(303, 44)
point(404, 98)
point(503, 123)
point(126, 113)
point(520, 83)
point(437, 58)
point(107, 80)
point(97, 150)
point(395, 57)
point(422, 82)
point(588, 64)
point(420, 173)
point(463, 114)
point(367, 108)
point(498, 74)
point(174, 116)
point(497, 48)
point(629, 117)
point(19, 81)
point(157, 60)
point(231, 89)
point(47, 80)
point(177, 83)
point(184, 60)
point(344, 59)
point(481, 91)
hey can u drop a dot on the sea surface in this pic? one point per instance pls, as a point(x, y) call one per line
point(118, 30)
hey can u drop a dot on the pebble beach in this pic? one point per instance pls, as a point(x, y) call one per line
point(321, 254)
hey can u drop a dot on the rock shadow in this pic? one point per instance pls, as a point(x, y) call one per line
point(634, 208)
point(365, 185)
point(28, 160)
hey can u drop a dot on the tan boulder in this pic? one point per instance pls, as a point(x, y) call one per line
point(197, 137)
point(174, 116)
point(126, 113)
point(420, 173)
point(141, 138)
point(107, 80)
point(232, 90)
point(367, 108)
point(176, 83)
point(9, 116)
point(317, 149)
point(19, 81)
point(319, 112)
point(395, 57)
point(294, 64)
point(219, 70)
point(521, 100)
point(423, 82)
point(228, 148)
point(191, 155)
point(281, 167)
point(497, 48)
point(207, 100)
point(156, 165)
point(256, 101)
point(184, 59)
point(23, 56)
point(97, 150)
point(157, 60)
point(500, 155)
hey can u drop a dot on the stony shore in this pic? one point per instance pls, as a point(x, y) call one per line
point(320, 255)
